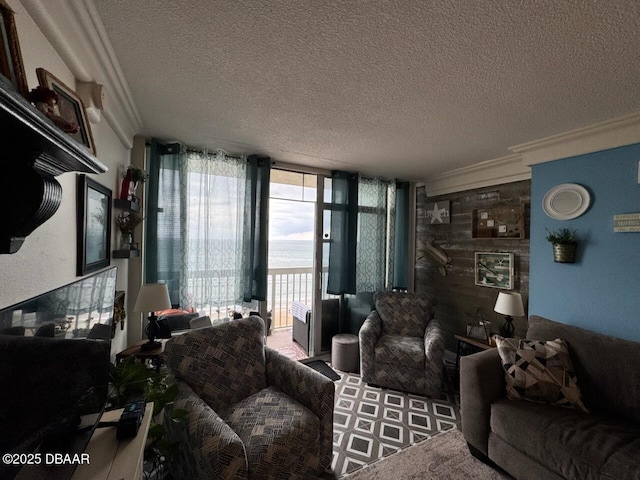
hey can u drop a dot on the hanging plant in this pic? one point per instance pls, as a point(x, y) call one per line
point(564, 245)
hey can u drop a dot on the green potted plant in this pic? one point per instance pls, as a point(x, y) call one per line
point(131, 381)
point(564, 245)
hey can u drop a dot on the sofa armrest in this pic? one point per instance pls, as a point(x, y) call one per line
point(369, 334)
point(206, 446)
point(481, 383)
point(310, 388)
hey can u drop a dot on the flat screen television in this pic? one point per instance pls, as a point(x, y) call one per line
point(54, 376)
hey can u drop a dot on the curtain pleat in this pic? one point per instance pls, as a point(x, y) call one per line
point(401, 260)
point(344, 230)
point(256, 214)
point(163, 240)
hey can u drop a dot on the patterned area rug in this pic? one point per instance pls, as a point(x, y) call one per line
point(293, 351)
point(443, 457)
point(372, 423)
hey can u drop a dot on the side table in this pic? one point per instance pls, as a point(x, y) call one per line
point(154, 355)
point(467, 345)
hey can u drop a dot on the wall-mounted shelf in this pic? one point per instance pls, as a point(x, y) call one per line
point(34, 151)
point(506, 221)
point(126, 253)
point(126, 205)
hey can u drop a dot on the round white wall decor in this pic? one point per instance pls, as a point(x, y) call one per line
point(566, 201)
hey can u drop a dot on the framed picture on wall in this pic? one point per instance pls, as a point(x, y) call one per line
point(70, 108)
point(94, 225)
point(11, 65)
point(494, 270)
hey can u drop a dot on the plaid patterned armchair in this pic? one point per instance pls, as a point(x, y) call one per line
point(401, 345)
point(253, 413)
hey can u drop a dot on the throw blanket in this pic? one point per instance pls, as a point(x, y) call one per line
point(299, 311)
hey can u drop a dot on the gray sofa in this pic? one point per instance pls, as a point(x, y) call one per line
point(532, 440)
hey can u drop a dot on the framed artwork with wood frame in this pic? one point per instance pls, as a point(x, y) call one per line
point(11, 65)
point(70, 107)
point(94, 225)
point(494, 270)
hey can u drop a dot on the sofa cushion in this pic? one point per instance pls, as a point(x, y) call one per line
point(399, 350)
point(606, 366)
point(277, 432)
point(539, 370)
point(570, 442)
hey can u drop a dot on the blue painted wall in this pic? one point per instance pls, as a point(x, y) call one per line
point(601, 291)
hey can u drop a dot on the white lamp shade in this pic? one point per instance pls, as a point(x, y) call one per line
point(152, 297)
point(509, 303)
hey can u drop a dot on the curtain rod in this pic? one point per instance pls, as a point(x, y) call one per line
point(195, 150)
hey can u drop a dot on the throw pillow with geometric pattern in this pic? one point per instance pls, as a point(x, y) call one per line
point(541, 371)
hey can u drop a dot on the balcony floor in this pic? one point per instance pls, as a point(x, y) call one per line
point(280, 340)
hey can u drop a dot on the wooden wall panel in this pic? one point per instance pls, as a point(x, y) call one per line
point(458, 297)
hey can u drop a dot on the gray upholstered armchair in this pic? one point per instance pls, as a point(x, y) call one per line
point(252, 412)
point(401, 344)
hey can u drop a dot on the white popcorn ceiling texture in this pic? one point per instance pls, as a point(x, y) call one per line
point(404, 88)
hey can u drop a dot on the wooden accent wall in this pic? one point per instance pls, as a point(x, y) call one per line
point(457, 295)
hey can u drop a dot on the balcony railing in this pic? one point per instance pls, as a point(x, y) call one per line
point(284, 286)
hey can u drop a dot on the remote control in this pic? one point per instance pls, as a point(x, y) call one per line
point(130, 420)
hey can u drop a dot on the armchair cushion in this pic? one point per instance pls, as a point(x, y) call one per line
point(399, 350)
point(404, 314)
point(221, 365)
point(291, 427)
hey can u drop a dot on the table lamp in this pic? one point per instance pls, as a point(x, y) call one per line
point(509, 304)
point(151, 298)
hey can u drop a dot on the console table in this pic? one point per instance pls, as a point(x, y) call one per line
point(154, 355)
point(113, 459)
point(468, 345)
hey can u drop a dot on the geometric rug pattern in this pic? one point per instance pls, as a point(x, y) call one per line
point(371, 423)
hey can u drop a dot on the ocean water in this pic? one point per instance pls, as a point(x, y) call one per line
point(290, 253)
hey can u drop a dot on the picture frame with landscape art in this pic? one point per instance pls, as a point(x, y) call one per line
point(94, 225)
point(11, 65)
point(494, 269)
point(70, 107)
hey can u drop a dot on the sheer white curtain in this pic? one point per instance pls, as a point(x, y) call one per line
point(213, 190)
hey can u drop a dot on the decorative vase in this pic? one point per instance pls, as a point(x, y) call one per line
point(126, 239)
point(564, 252)
point(125, 191)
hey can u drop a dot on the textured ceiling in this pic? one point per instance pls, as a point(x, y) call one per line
point(405, 88)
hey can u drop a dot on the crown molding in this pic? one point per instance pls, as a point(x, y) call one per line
point(484, 174)
point(612, 133)
point(76, 32)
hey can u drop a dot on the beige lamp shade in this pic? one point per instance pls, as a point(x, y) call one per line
point(509, 303)
point(153, 297)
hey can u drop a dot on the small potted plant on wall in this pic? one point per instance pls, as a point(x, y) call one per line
point(564, 245)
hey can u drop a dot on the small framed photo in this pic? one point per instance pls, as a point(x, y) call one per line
point(70, 107)
point(11, 65)
point(94, 225)
point(494, 270)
